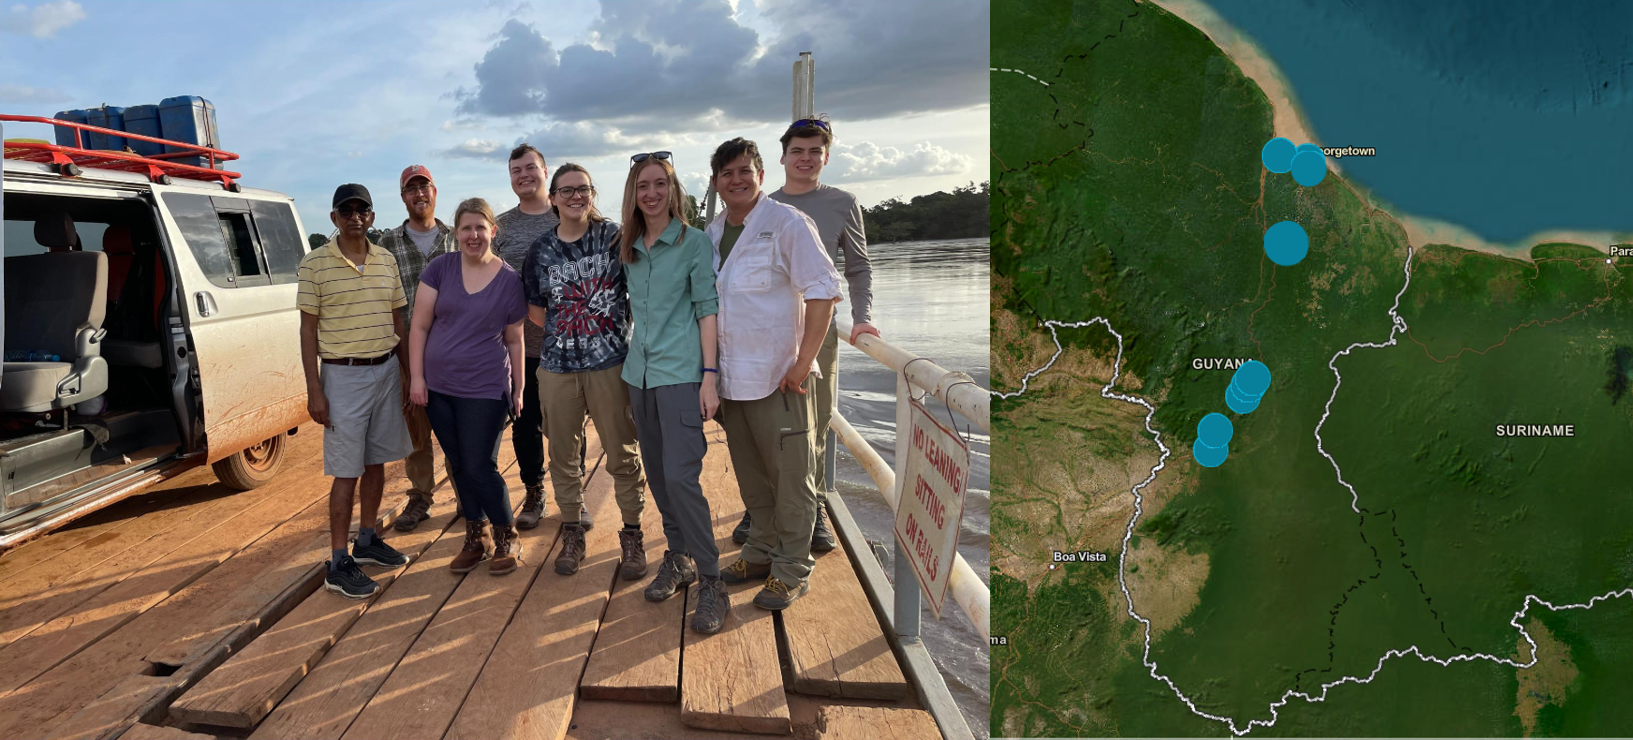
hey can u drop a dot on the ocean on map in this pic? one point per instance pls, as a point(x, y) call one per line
point(932, 299)
point(1507, 118)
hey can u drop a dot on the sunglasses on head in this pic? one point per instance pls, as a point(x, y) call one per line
point(639, 158)
point(819, 123)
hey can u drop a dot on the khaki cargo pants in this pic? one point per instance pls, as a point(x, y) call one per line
point(564, 400)
point(773, 451)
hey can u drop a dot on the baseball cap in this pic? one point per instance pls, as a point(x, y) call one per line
point(352, 191)
point(413, 171)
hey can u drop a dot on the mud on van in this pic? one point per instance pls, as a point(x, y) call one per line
point(150, 327)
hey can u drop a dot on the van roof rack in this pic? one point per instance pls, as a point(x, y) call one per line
point(157, 168)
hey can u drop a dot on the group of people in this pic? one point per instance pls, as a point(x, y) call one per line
point(550, 314)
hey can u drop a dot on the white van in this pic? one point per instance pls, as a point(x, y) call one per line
point(150, 326)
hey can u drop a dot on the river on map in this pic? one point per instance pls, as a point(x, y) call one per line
point(1506, 117)
point(931, 299)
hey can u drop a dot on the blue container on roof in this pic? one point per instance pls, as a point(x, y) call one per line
point(191, 119)
point(144, 120)
point(65, 135)
point(107, 116)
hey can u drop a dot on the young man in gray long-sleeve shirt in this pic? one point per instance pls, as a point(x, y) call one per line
point(838, 217)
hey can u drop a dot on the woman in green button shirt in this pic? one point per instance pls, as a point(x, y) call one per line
point(672, 375)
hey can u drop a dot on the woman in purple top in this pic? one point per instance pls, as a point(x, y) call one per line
point(465, 365)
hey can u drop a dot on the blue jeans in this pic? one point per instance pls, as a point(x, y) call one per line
point(469, 430)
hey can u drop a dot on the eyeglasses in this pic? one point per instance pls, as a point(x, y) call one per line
point(348, 212)
point(584, 190)
point(817, 122)
point(639, 158)
point(423, 187)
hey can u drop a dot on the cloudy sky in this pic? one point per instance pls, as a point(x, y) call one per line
point(315, 94)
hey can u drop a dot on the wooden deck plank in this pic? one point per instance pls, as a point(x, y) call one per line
point(425, 690)
point(527, 689)
point(866, 723)
point(174, 513)
point(732, 680)
point(325, 703)
point(241, 692)
point(57, 586)
point(223, 613)
point(144, 731)
point(66, 635)
point(637, 650)
point(834, 643)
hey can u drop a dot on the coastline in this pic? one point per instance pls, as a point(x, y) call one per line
point(1289, 120)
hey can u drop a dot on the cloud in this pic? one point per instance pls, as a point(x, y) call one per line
point(479, 149)
point(42, 21)
point(866, 161)
point(676, 63)
point(10, 93)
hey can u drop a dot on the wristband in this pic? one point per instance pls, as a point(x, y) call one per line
point(711, 370)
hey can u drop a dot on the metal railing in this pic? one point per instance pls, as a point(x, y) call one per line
point(963, 395)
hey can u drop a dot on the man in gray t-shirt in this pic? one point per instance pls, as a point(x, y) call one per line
point(838, 219)
point(519, 227)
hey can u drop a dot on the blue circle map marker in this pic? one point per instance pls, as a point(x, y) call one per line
point(1252, 379)
point(1214, 430)
point(1307, 147)
point(1286, 243)
point(1277, 155)
point(1239, 403)
point(1209, 456)
point(1309, 167)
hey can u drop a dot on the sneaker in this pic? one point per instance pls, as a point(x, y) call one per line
point(378, 553)
point(676, 572)
point(631, 554)
point(777, 595)
point(572, 549)
point(533, 508)
point(478, 546)
point(740, 534)
point(418, 510)
point(507, 550)
point(712, 606)
point(350, 581)
point(822, 538)
point(744, 571)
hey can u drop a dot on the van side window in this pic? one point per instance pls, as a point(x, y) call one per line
point(241, 246)
point(281, 239)
point(222, 242)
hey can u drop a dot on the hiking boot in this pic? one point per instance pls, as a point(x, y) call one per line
point(676, 572)
point(533, 508)
point(418, 510)
point(740, 534)
point(822, 538)
point(712, 606)
point(631, 554)
point(377, 552)
point(777, 595)
point(744, 571)
point(478, 547)
point(507, 550)
point(350, 581)
point(572, 549)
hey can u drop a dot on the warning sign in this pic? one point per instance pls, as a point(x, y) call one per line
point(932, 503)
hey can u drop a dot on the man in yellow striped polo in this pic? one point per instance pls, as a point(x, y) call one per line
point(349, 298)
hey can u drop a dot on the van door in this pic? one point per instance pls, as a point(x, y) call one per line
point(237, 275)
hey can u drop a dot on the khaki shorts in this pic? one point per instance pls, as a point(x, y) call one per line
point(366, 425)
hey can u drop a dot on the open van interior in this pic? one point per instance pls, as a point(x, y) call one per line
point(89, 387)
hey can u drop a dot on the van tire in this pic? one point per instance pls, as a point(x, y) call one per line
point(253, 467)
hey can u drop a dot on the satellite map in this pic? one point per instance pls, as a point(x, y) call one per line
point(1312, 339)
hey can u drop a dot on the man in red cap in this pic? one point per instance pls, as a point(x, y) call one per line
point(420, 237)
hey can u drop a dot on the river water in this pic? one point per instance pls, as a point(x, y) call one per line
point(931, 299)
